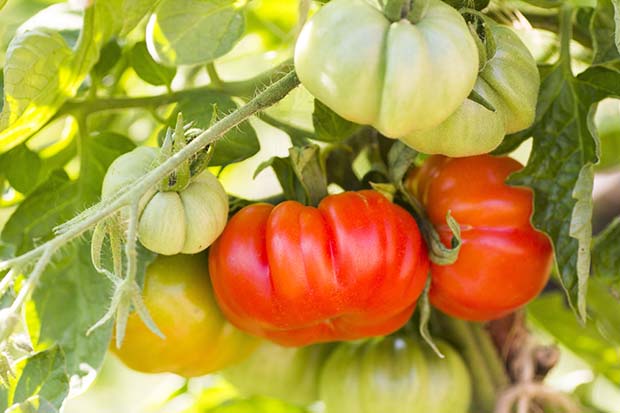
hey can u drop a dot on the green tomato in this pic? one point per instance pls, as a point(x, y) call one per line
point(290, 374)
point(510, 82)
point(398, 77)
point(394, 374)
point(607, 121)
point(171, 222)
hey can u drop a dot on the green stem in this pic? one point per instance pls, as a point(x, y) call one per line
point(131, 195)
point(244, 89)
point(216, 81)
point(566, 35)
point(394, 9)
point(487, 383)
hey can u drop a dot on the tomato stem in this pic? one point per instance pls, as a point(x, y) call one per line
point(488, 374)
point(566, 35)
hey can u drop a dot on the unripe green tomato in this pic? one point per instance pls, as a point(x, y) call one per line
point(607, 121)
point(510, 82)
point(287, 373)
point(394, 374)
point(171, 222)
point(398, 77)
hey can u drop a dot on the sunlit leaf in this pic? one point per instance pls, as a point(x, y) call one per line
point(194, 31)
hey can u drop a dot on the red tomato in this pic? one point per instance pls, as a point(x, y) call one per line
point(503, 262)
point(351, 268)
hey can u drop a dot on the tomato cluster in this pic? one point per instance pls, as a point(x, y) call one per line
point(354, 266)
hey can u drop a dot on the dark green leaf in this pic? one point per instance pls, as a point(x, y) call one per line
point(329, 126)
point(291, 187)
point(338, 161)
point(22, 168)
point(400, 159)
point(307, 167)
point(43, 375)
point(560, 169)
point(469, 4)
point(238, 144)
point(109, 56)
point(194, 31)
point(604, 35)
point(148, 69)
point(549, 314)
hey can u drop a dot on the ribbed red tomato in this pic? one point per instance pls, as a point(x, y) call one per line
point(503, 262)
point(353, 267)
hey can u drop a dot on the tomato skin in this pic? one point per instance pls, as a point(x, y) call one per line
point(171, 222)
point(503, 262)
point(353, 267)
point(286, 373)
point(394, 374)
point(510, 82)
point(199, 340)
point(398, 77)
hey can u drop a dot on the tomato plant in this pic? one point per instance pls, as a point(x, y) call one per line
point(130, 130)
point(503, 262)
point(298, 274)
point(198, 339)
point(392, 373)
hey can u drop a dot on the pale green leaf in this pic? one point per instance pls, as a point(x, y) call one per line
point(34, 404)
point(43, 375)
point(42, 71)
point(194, 31)
point(548, 312)
point(134, 11)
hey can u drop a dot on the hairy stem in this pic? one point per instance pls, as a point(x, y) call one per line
point(243, 89)
point(131, 195)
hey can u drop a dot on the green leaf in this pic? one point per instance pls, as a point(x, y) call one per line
point(548, 312)
point(605, 34)
point(134, 11)
point(329, 126)
point(71, 295)
point(238, 144)
point(606, 252)
point(22, 168)
point(291, 187)
point(109, 56)
point(148, 69)
point(34, 404)
point(42, 375)
point(307, 167)
point(400, 159)
point(41, 72)
point(560, 168)
point(194, 31)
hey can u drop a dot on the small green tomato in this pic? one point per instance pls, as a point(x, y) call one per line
point(171, 222)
